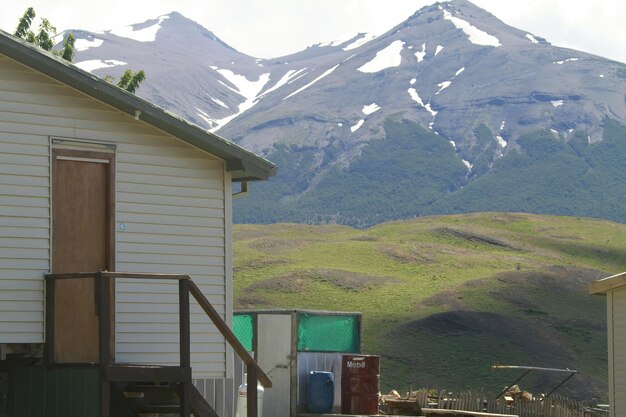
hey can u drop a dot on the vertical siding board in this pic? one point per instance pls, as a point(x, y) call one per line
point(159, 175)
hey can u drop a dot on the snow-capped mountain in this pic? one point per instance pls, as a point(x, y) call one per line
point(450, 111)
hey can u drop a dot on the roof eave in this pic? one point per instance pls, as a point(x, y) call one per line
point(243, 164)
point(607, 284)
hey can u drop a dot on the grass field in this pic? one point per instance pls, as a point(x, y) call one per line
point(443, 298)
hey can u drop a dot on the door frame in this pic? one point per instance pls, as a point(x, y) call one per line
point(107, 158)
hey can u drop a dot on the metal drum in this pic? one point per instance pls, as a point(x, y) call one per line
point(360, 384)
point(320, 392)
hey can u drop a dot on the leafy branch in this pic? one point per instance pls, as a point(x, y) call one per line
point(129, 81)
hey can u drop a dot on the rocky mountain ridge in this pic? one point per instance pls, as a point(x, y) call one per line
point(420, 117)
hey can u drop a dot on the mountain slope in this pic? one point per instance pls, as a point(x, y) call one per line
point(356, 119)
point(443, 298)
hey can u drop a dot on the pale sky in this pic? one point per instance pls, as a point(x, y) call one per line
point(271, 28)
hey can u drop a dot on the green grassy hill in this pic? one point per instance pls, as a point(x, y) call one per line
point(443, 298)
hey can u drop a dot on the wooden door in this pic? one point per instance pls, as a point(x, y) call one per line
point(82, 241)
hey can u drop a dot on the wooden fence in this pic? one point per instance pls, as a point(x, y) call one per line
point(553, 406)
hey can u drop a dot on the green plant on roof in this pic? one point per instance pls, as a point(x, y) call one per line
point(129, 81)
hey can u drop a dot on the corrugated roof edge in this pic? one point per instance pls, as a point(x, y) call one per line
point(243, 164)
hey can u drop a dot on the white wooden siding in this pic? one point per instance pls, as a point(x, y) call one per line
point(24, 234)
point(173, 200)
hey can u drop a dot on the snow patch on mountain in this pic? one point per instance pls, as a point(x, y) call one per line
point(453, 143)
point(357, 125)
point(467, 164)
point(365, 38)
point(219, 102)
point(246, 88)
point(370, 108)
point(532, 38)
point(416, 98)
point(327, 72)
point(502, 125)
point(438, 49)
point(557, 103)
point(94, 64)
point(141, 35)
point(501, 141)
point(84, 44)
point(475, 35)
point(205, 116)
point(299, 74)
point(432, 112)
point(445, 84)
point(385, 58)
point(565, 60)
point(442, 86)
point(284, 80)
point(420, 55)
point(413, 80)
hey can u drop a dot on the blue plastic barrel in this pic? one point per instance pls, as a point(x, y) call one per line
point(320, 392)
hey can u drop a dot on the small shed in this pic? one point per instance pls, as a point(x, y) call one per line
point(614, 287)
point(289, 344)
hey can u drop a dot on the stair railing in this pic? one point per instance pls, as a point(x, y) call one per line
point(103, 283)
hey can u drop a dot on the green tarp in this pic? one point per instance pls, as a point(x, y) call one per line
point(316, 332)
point(328, 333)
point(243, 327)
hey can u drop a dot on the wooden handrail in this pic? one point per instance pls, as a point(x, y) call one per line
point(200, 298)
point(133, 275)
point(228, 334)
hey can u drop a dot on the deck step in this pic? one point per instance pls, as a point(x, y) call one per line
point(160, 409)
point(146, 373)
point(153, 393)
point(157, 399)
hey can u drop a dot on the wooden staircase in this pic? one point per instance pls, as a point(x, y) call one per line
point(130, 390)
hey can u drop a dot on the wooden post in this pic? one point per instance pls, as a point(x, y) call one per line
point(185, 326)
point(49, 349)
point(185, 399)
point(102, 286)
point(252, 399)
point(185, 344)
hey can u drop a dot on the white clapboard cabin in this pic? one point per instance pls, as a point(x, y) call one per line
point(614, 287)
point(115, 247)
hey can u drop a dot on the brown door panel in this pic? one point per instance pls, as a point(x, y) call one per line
point(82, 224)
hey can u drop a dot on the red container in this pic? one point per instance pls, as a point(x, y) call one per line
point(360, 384)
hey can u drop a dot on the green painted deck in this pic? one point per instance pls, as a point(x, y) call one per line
point(37, 391)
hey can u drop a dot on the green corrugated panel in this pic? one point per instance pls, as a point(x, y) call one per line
point(56, 392)
point(243, 327)
point(328, 333)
